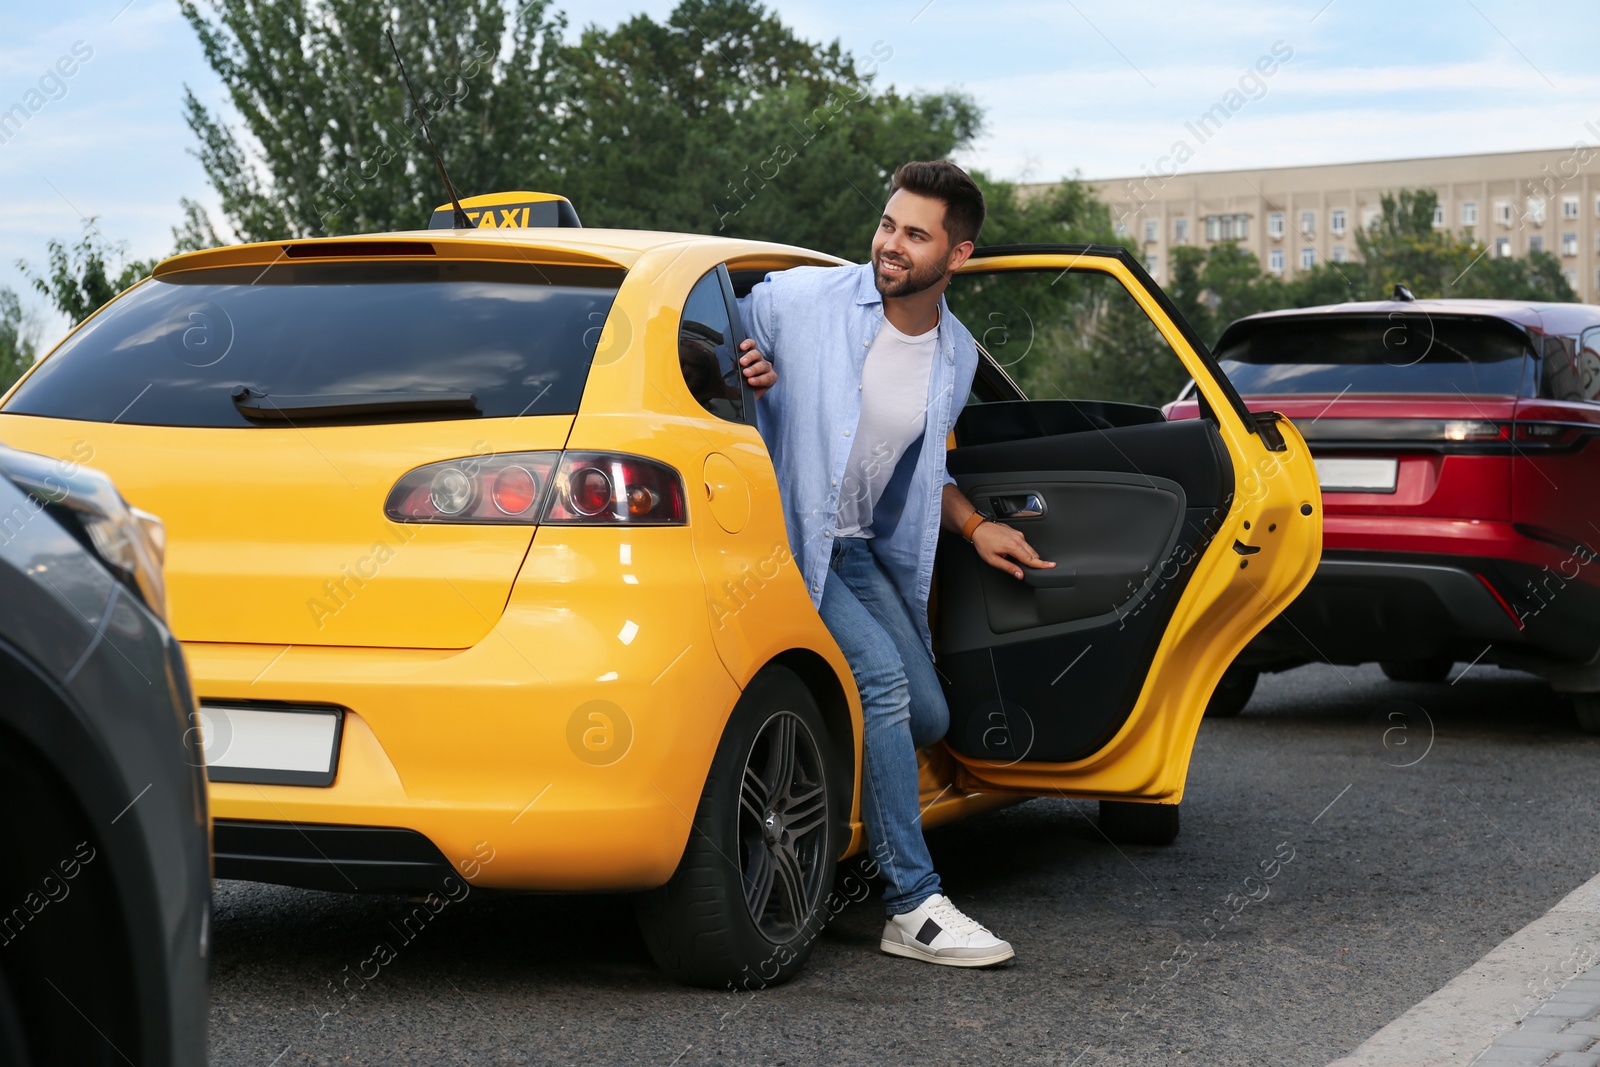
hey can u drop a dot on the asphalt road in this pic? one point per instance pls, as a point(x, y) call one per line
point(1406, 829)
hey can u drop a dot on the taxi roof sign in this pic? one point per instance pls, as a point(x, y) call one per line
point(502, 211)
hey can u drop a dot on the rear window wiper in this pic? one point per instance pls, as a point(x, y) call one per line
point(255, 404)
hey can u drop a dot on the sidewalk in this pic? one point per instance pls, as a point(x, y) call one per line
point(1533, 999)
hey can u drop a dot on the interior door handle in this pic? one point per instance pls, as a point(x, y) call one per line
point(1025, 505)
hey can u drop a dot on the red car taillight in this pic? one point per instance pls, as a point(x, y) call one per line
point(575, 488)
point(601, 488)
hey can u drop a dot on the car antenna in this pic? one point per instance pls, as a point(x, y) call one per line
point(462, 222)
point(1403, 294)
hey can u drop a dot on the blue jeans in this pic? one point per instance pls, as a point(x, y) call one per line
point(903, 709)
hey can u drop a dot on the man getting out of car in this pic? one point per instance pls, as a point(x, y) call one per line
point(874, 370)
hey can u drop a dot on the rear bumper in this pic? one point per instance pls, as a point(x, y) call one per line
point(493, 754)
point(1364, 606)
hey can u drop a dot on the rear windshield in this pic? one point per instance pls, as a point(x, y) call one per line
point(519, 337)
point(1405, 352)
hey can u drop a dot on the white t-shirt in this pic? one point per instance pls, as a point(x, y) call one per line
point(894, 407)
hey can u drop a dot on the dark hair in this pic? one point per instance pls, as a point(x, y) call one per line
point(941, 179)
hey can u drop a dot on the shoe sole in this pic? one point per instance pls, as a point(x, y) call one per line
point(895, 949)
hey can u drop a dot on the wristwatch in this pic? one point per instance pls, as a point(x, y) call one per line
point(970, 527)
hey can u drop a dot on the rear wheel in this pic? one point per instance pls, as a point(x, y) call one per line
point(745, 905)
point(1232, 693)
point(1587, 707)
point(1436, 669)
point(1128, 823)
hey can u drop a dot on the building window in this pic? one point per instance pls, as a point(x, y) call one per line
point(1308, 223)
point(1151, 265)
point(1369, 217)
point(1308, 258)
point(1438, 216)
point(1569, 207)
point(1152, 229)
point(1120, 227)
point(1535, 243)
point(1502, 247)
point(1275, 259)
point(1227, 227)
point(1536, 210)
point(1569, 244)
point(1572, 278)
point(1336, 220)
point(1469, 213)
point(1338, 255)
point(1502, 212)
point(1275, 224)
point(1180, 231)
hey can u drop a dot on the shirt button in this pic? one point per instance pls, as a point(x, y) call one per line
point(827, 533)
point(836, 481)
point(847, 433)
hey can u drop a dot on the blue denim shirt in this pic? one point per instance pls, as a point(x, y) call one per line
point(816, 325)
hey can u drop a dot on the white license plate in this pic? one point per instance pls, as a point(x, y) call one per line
point(270, 746)
point(1356, 475)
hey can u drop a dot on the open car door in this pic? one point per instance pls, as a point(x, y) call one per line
point(1174, 542)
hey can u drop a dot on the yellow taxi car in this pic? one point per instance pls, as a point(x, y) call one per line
point(478, 561)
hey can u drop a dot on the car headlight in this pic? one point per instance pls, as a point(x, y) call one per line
point(130, 542)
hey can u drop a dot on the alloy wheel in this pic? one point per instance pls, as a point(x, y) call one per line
point(783, 826)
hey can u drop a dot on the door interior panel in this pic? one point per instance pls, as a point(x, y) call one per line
point(1107, 532)
point(1047, 670)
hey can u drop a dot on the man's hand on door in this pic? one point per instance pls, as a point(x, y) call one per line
point(1002, 547)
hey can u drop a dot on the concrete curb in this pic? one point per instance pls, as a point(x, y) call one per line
point(1491, 998)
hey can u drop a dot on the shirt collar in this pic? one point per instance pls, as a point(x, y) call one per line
point(866, 290)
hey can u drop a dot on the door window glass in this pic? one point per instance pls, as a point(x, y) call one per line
point(706, 351)
point(1075, 334)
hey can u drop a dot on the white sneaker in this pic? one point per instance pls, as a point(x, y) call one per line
point(937, 931)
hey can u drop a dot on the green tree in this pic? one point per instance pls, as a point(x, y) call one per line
point(1402, 247)
point(82, 277)
point(17, 348)
point(719, 119)
point(1537, 277)
point(1188, 290)
point(331, 141)
point(1237, 286)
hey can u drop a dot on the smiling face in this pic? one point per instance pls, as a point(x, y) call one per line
point(911, 252)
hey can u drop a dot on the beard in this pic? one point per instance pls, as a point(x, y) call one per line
point(913, 279)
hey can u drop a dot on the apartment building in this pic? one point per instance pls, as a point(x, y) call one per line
point(1293, 218)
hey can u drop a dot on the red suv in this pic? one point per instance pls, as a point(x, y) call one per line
point(1455, 441)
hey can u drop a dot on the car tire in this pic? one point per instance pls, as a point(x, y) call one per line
point(1128, 823)
point(729, 918)
point(1587, 708)
point(1436, 669)
point(1233, 692)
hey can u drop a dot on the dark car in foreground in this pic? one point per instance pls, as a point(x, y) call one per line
point(105, 890)
point(1455, 443)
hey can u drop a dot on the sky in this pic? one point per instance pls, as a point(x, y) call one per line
point(1097, 88)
